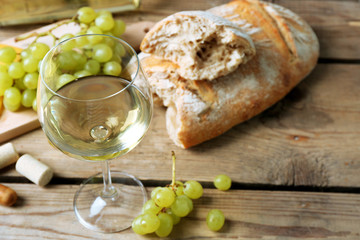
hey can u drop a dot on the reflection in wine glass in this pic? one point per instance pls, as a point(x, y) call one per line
point(95, 104)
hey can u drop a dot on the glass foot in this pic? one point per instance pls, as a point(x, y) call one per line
point(110, 212)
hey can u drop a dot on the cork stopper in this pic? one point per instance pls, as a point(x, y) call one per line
point(8, 155)
point(34, 170)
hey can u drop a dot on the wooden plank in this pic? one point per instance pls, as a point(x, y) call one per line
point(336, 24)
point(249, 215)
point(310, 138)
point(14, 124)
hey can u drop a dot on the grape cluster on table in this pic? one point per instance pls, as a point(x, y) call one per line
point(19, 73)
point(169, 204)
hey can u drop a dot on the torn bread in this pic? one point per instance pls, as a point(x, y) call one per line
point(204, 45)
point(286, 51)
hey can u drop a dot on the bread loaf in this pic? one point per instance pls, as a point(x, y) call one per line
point(286, 51)
point(205, 46)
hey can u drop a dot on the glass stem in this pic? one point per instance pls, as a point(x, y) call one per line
point(108, 190)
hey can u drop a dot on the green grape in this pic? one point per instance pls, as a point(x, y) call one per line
point(81, 41)
point(104, 12)
point(94, 30)
point(3, 68)
point(137, 226)
point(28, 97)
point(80, 60)
point(12, 94)
point(82, 73)
point(193, 189)
point(66, 36)
point(112, 68)
point(12, 99)
point(19, 84)
point(181, 206)
point(108, 33)
point(119, 28)
point(10, 106)
point(164, 197)
point(31, 80)
point(116, 58)
point(215, 219)
point(120, 50)
point(25, 53)
point(102, 53)
point(166, 225)
point(7, 54)
point(109, 41)
point(64, 79)
point(16, 70)
point(67, 61)
point(39, 50)
point(222, 182)
point(149, 222)
point(92, 66)
point(150, 206)
point(154, 191)
point(34, 105)
point(5, 82)
point(105, 22)
point(176, 219)
point(30, 64)
point(69, 44)
point(88, 53)
point(189, 202)
point(86, 15)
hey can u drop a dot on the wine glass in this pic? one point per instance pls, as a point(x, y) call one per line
point(95, 104)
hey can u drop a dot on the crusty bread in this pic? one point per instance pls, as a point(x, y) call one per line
point(286, 51)
point(205, 46)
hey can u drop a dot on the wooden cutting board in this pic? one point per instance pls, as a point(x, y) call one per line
point(13, 124)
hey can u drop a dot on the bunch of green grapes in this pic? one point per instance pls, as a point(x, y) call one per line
point(169, 204)
point(86, 56)
point(166, 207)
point(19, 75)
point(18, 79)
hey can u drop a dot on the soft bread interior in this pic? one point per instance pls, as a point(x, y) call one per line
point(203, 45)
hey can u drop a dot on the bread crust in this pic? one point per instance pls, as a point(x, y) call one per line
point(286, 51)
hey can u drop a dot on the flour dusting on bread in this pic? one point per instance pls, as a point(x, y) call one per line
point(229, 12)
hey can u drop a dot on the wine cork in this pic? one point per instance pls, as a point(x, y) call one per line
point(7, 196)
point(8, 155)
point(34, 170)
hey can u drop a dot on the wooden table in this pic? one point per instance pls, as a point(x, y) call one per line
point(295, 168)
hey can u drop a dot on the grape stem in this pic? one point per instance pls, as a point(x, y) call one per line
point(173, 169)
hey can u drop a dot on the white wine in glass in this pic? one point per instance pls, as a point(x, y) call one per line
point(94, 112)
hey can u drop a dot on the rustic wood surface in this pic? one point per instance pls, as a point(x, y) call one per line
point(249, 215)
point(295, 167)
